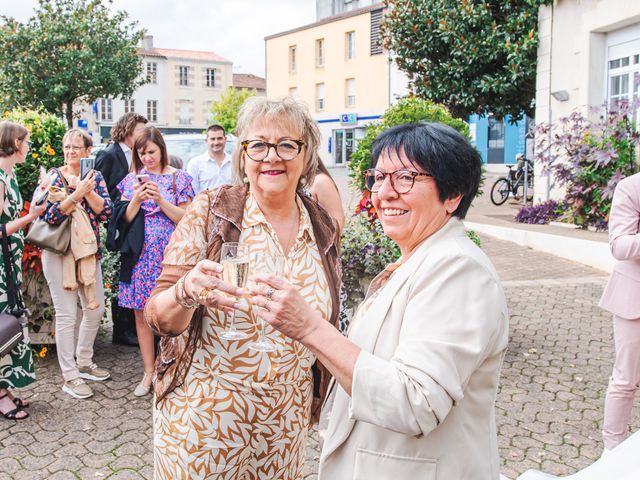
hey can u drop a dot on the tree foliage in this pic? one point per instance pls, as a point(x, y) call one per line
point(472, 56)
point(225, 110)
point(69, 51)
point(407, 110)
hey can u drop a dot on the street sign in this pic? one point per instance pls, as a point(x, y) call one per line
point(348, 118)
point(82, 123)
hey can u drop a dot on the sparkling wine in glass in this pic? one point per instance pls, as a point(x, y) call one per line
point(274, 265)
point(234, 258)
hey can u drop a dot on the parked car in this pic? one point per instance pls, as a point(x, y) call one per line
point(97, 147)
point(189, 145)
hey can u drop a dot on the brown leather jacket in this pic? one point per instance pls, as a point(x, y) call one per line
point(226, 206)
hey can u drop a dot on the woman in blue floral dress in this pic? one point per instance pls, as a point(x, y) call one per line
point(16, 369)
point(162, 193)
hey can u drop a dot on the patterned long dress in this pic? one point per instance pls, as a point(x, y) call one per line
point(157, 231)
point(16, 369)
point(242, 414)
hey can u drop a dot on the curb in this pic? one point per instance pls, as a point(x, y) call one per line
point(587, 252)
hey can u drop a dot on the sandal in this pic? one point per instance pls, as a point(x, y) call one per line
point(13, 414)
point(18, 402)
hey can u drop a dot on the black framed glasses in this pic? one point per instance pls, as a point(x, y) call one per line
point(29, 143)
point(258, 150)
point(401, 180)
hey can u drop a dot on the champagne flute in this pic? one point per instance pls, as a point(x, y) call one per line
point(234, 258)
point(267, 264)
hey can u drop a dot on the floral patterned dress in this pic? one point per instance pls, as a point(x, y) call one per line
point(157, 231)
point(16, 369)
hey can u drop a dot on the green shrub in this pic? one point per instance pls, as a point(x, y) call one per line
point(46, 134)
point(407, 110)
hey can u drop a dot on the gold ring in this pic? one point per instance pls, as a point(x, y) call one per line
point(269, 293)
point(204, 294)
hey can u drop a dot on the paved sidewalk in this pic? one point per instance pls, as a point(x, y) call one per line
point(549, 408)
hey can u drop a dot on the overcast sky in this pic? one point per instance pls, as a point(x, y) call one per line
point(234, 29)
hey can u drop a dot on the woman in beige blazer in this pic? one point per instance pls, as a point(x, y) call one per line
point(416, 379)
point(621, 298)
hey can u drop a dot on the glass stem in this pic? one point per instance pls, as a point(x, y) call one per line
point(232, 326)
point(262, 332)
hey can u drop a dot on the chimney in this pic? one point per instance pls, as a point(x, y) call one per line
point(147, 42)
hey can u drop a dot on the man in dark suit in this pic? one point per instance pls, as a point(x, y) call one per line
point(114, 163)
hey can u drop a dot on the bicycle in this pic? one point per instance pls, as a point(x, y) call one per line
point(513, 184)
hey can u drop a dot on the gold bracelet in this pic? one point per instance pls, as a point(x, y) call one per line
point(179, 295)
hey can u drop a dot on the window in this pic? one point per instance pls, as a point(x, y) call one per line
point(350, 45)
point(293, 92)
point(211, 77)
point(376, 34)
point(320, 52)
point(129, 105)
point(185, 113)
point(624, 81)
point(152, 110)
point(319, 97)
point(292, 58)
point(152, 72)
point(184, 76)
point(106, 111)
point(350, 89)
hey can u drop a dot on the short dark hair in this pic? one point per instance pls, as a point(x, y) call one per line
point(125, 126)
point(216, 128)
point(9, 133)
point(149, 134)
point(442, 152)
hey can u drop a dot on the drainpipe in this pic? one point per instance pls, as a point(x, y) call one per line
point(550, 88)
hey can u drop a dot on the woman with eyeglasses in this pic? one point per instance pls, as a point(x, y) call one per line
point(224, 409)
point(76, 329)
point(417, 377)
point(16, 368)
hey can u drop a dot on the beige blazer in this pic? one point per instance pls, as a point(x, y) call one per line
point(425, 383)
point(622, 294)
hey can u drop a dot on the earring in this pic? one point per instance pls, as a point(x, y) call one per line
point(245, 179)
point(303, 181)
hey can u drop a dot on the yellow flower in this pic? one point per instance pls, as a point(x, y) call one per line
point(43, 352)
point(34, 155)
point(50, 150)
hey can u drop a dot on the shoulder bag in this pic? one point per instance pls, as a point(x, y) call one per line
point(55, 238)
point(11, 325)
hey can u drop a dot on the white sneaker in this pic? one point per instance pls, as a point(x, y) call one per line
point(77, 388)
point(94, 372)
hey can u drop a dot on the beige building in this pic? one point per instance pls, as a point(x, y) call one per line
point(588, 56)
point(177, 98)
point(338, 67)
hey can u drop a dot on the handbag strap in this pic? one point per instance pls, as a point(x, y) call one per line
point(63, 180)
point(174, 188)
point(12, 290)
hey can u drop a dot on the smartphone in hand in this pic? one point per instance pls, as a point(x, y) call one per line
point(143, 178)
point(86, 165)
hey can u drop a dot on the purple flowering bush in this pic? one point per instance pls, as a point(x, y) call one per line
point(539, 214)
point(588, 158)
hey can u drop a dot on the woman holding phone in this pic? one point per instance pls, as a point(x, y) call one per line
point(89, 193)
point(161, 193)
